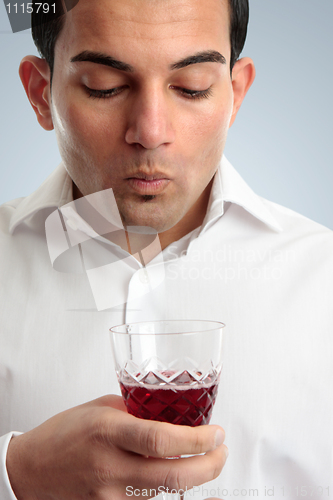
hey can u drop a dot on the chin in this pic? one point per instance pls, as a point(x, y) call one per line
point(147, 214)
point(152, 222)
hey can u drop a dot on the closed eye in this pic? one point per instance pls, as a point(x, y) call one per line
point(187, 93)
point(104, 94)
point(194, 94)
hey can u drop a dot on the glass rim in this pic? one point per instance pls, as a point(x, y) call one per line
point(218, 325)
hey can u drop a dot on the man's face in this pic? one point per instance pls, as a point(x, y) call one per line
point(158, 137)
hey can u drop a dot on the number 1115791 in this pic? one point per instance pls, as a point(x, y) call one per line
point(309, 491)
point(30, 7)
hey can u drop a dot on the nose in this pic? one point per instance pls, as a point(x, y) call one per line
point(150, 119)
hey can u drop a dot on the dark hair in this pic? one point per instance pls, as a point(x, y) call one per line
point(45, 28)
point(239, 18)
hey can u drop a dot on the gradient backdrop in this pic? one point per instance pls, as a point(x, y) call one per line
point(281, 142)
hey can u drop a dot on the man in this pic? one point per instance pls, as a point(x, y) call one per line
point(141, 95)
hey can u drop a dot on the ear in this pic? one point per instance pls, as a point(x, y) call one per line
point(35, 76)
point(243, 74)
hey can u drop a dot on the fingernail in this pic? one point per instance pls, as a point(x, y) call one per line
point(226, 453)
point(219, 437)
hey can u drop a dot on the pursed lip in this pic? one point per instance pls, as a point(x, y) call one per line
point(146, 177)
point(148, 184)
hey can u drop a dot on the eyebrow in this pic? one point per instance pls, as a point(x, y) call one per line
point(100, 58)
point(200, 57)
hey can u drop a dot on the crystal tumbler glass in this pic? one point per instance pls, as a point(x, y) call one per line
point(169, 370)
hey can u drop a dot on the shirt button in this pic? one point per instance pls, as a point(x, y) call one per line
point(143, 276)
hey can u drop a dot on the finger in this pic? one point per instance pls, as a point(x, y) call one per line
point(159, 439)
point(110, 400)
point(177, 474)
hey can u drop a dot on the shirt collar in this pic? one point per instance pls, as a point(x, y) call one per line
point(228, 186)
point(55, 191)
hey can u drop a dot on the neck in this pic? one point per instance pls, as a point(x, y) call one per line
point(193, 219)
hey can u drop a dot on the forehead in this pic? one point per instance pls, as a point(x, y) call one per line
point(145, 26)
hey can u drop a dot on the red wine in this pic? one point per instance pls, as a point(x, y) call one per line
point(189, 403)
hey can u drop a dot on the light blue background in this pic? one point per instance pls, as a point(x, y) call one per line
point(281, 142)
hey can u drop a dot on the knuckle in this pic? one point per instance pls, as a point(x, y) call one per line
point(100, 432)
point(157, 442)
point(199, 442)
point(103, 476)
point(217, 467)
point(177, 479)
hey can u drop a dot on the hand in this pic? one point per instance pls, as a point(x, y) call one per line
point(97, 449)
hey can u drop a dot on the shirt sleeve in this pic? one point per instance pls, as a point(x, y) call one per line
point(6, 492)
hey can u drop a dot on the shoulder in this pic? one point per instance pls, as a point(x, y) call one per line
point(294, 221)
point(301, 233)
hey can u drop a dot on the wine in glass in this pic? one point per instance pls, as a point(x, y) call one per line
point(169, 370)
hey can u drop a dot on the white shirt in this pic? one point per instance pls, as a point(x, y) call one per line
point(263, 270)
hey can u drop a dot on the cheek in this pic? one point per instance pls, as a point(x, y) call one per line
point(207, 129)
point(208, 132)
point(81, 130)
